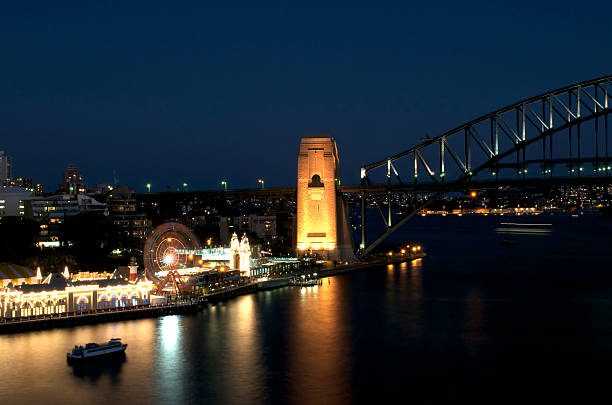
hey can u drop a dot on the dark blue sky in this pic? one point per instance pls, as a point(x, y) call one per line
point(166, 92)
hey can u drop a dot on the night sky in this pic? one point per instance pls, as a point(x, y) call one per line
point(166, 92)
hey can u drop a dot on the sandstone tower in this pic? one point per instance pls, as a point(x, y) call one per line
point(322, 225)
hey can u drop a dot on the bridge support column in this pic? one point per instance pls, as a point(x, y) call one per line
point(389, 208)
point(363, 221)
point(322, 217)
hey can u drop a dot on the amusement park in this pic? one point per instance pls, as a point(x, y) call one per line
point(178, 265)
point(176, 274)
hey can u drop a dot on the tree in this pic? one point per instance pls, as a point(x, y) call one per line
point(17, 238)
point(90, 237)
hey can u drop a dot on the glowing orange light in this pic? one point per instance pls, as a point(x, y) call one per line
point(473, 194)
point(403, 251)
point(390, 253)
point(414, 249)
point(169, 239)
point(190, 257)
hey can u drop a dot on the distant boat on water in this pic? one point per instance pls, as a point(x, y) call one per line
point(509, 242)
point(517, 228)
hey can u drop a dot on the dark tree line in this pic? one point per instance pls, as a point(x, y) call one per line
point(86, 243)
point(90, 238)
point(18, 238)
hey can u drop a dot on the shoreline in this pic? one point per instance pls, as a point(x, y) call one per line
point(190, 306)
point(347, 268)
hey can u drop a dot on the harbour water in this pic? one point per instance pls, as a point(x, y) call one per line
point(475, 320)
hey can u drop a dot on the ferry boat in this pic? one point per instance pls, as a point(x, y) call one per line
point(515, 228)
point(90, 350)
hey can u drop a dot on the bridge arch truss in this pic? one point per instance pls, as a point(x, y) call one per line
point(559, 136)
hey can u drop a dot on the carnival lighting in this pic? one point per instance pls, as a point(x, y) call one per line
point(168, 259)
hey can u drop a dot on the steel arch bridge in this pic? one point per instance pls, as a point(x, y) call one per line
point(562, 133)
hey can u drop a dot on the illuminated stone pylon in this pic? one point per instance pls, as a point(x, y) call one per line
point(245, 256)
point(234, 262)
point(321, 223)
point(240, 254)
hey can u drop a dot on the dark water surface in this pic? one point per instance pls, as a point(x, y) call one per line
point(473, 321)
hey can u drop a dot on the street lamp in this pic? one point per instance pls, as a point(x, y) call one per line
point(224, 184)
point(185, 185)
point(260, 181)
point(149, 187)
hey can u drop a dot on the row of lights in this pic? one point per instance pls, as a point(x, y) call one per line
point(185, 186)
point(223, 183)
point(408, 248)
point(572, 170)
point(524, 171)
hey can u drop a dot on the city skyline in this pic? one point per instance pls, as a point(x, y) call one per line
point(189, 94)
point(304, 204)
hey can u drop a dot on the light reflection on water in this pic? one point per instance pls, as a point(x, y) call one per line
point(318, 349)
point(244, 351)
point(460, 321)
point(474, 322)
point(168, 360)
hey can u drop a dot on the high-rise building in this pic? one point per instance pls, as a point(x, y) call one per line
point(264, 226)
point(38, 189)
point(14, 202)
point(21, 182)
point(51, 212)
point(6, 168)
point(72, 180)
point(123, 210)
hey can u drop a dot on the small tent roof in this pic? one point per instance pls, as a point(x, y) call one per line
point(10, 271)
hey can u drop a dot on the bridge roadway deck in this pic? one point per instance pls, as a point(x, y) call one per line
point(279, 192)
point(479, 185)
point(290, 192)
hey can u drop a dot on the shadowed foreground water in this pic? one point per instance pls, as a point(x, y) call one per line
point(473, 321)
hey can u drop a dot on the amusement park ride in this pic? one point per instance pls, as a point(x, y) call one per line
point(162, 258)
point(172, 281)
point(173, 258)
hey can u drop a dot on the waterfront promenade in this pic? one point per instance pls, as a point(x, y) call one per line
point(184, 305)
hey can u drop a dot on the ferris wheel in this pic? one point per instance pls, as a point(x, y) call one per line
point(165, 249)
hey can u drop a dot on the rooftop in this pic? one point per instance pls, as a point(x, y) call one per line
point(10, 271)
